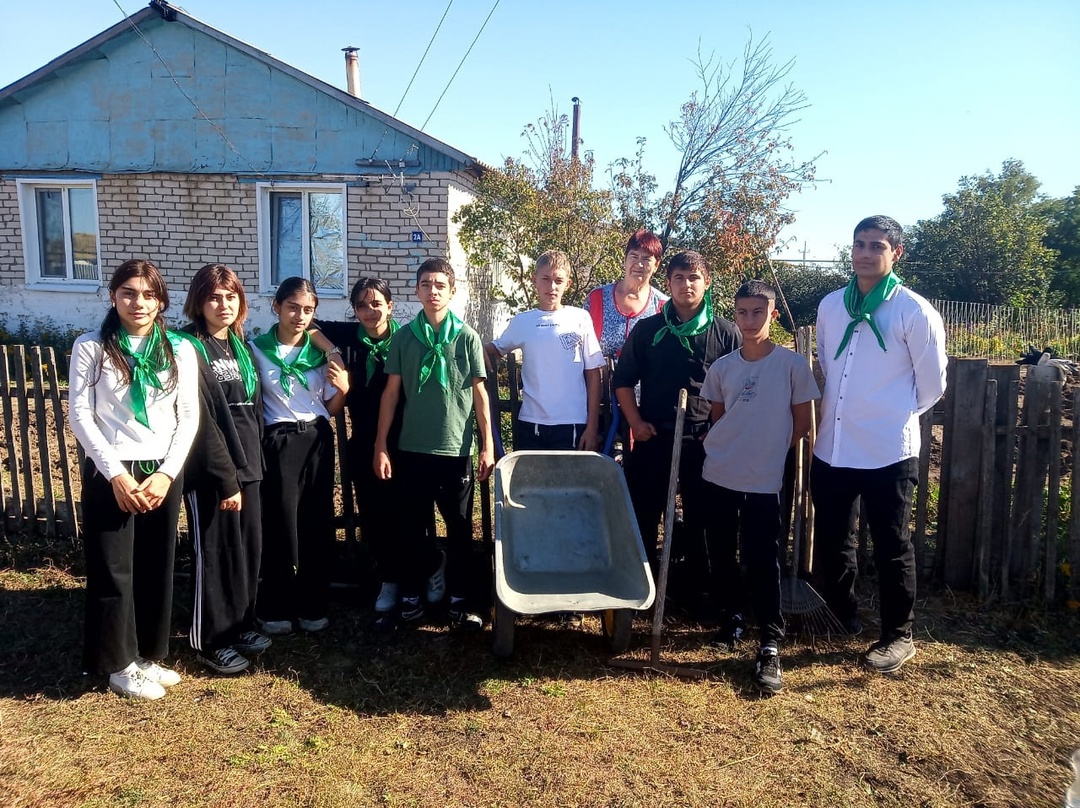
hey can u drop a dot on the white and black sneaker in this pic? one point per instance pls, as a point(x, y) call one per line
point(252, 642)
point(225, 661)
point(767, 677)
point(411, 609)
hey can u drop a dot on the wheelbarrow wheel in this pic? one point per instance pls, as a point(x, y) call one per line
point(502, 630)
point(617, 625)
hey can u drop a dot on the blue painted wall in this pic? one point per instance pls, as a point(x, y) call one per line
point(119, 109)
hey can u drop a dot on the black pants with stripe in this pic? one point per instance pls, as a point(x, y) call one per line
point(298, 528)
point(228, 554)
point(129, 574)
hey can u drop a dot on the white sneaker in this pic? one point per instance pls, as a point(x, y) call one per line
point(155, 673)
point(313, 625)
point(132, 683)
point(274, 627)
point(387, 599)
point(436, 584)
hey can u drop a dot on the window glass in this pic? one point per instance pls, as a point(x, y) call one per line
point(84, 248)
point(286, 236)
point(327, 242)
point(50, 228)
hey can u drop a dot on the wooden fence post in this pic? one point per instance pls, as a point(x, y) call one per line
point(45, 511)
point(986, 491)
point(1074, 512)
point(963, 471)
point(67, 516)
point(1053, 494)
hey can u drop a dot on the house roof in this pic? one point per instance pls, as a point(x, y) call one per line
point(161, 9)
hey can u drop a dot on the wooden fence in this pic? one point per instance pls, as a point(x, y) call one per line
point(995, 512)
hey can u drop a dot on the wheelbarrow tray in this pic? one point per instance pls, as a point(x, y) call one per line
point(565, 535)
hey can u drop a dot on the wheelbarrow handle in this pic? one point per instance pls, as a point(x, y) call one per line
point(669, 516)
point(613, 430)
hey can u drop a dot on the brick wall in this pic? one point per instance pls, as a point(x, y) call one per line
point(11, 261)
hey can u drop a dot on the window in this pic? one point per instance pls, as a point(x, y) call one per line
point(302, 232)
point(60, 231)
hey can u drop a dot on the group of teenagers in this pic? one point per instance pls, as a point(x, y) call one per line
point(239, 431)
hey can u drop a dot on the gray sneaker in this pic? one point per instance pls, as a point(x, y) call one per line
point(887, 656)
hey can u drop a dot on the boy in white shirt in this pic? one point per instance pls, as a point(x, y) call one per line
point(560, 374)
point(760, 400)
point(882, 349)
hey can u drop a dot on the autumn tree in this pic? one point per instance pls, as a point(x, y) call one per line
point(736, 168)
point(987, 245)
point(544, 201)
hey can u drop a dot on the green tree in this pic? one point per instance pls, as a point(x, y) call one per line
point(544, 201)
point(804, 287)
point(987, 246)
point(1063, 236)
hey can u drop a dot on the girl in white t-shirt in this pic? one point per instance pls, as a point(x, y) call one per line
point(300, 394)
point(133, 400)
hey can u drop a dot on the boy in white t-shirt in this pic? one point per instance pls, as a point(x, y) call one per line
point(560, 374)
point(760, 399)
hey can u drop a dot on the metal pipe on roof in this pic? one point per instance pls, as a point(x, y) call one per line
point(352, 70)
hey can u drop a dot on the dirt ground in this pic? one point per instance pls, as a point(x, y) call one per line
point(987, 714)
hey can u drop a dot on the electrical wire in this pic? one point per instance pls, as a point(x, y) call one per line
point(463, 58)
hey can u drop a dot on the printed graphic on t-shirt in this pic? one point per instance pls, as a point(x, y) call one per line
point(226, 370)
point(749, 389)
point(571, 341)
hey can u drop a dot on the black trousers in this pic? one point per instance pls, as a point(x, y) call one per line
point(887, 494)
point(747, 524)
point(542, 437)
point(298, 528)
point(228, 555)
point(647, 468)
point(379, 511)
point(446, 482)
point(129, 574)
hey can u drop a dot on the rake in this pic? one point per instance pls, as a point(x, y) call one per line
point(798, 599)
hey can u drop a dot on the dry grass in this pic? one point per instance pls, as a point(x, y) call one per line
point(986, 715)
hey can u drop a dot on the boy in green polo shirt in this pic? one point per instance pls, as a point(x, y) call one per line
point(437, 364)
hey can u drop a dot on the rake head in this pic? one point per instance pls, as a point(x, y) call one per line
point(808, 610)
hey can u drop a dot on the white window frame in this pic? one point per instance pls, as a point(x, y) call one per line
point(26, 190)
point(305, 189)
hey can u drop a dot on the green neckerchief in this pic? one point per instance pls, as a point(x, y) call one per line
point(860, 307)
point(240, 352)
point(434, 362)
point(309, 358)
point(377, 348)
point(146, 364)
point(684, 331)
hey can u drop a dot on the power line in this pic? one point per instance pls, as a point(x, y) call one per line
point(422, 58)
point(463, 58)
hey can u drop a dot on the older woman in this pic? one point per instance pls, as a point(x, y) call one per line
point(617, 307)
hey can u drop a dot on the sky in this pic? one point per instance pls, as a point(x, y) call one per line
point(903, 100)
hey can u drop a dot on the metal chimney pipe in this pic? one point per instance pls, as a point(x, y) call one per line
point(352, 70)
point(575, 132)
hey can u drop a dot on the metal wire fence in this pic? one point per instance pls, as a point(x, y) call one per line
point(1003, 333)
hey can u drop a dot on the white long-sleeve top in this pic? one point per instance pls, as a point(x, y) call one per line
point(99, 405)
point(873, 398)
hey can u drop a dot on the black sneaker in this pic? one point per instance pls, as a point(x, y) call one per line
point(888, 655)
point(852, 625)
point(461, 619)
point(412, 609)
point(731, 632)
point(225, 661)
point(767, 676)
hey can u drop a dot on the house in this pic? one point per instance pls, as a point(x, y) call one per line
point(164, 138)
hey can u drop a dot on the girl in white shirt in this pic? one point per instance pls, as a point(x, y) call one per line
point(300, 393)
point(133, 401)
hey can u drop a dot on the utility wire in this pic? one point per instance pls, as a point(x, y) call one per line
point(422, 58)
point(463, 58)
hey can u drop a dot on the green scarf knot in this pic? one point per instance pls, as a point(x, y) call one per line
point(309, 358)
point(434, 361)
point(146, 363)
point(861, 307)
point(701, 321)
point(378, 349)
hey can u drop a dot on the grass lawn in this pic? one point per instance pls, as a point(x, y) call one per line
point(987, 714)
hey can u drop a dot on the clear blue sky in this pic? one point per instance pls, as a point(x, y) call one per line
point(905, 98)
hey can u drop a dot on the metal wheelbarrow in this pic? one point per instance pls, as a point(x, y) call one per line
point(566, 540)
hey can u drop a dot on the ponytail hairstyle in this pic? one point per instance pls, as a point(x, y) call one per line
point(111, 325)
point(206, 280)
